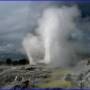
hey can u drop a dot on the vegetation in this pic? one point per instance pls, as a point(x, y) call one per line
point(9, 61)
point(57, 80)
point(58, 83)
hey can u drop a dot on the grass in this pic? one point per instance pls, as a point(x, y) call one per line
point(60, 73)
point(58, 83)
point(56, 80)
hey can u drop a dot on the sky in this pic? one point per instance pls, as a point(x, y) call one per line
point(17, 19)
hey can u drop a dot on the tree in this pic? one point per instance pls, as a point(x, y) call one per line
point(8, 61)
point(1, 62)
point(15, 62)
point(23, 61)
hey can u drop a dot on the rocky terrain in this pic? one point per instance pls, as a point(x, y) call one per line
point(41, 76)
point(23, 76)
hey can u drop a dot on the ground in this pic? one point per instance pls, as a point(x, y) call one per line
point(40, 76)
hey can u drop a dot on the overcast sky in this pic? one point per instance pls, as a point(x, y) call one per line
point(16, 20)
point(19, 18)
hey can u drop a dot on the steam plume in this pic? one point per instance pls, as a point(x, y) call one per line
point(53, 30)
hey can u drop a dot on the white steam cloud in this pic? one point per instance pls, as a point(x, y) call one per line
point(51, 45)
point(34, 48)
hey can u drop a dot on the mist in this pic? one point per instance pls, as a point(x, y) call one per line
point(51, 45)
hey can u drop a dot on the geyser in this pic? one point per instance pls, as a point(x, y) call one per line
point(53, 30)
point(34, 48)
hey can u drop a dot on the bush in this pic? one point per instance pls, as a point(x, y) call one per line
point(8, 61)
point(15, 63)
point(23, 61)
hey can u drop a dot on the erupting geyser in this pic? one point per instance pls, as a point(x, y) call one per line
point(34, 48)
point(54, 28)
